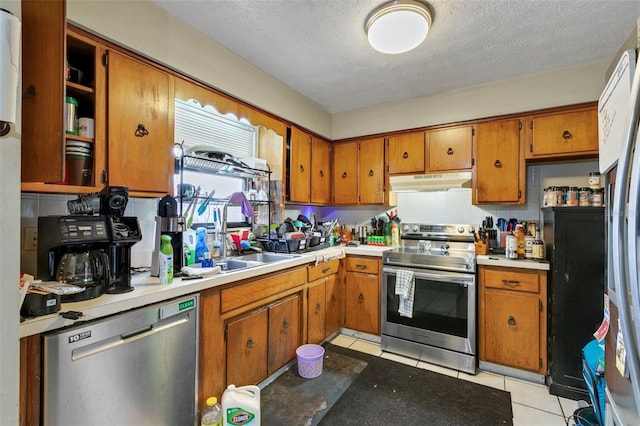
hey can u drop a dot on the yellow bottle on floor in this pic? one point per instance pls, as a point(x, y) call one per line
point(241, 406)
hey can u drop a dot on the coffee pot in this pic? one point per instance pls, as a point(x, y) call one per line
point(86, 269)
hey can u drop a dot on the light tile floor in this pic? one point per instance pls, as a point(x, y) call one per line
point(531, 402)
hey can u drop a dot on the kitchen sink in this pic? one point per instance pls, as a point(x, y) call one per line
point(235, 264)
point(267, 257)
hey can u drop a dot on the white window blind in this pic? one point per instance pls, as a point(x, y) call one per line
point(205, 128)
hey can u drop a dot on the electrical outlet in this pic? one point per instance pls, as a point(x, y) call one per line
point(30, 241)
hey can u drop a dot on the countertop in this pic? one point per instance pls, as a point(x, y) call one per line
point(501, 260)
point(148, 290)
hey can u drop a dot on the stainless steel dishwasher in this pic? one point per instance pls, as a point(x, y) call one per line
point(134, 368)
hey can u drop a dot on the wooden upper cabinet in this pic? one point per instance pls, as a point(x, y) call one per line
point(499, 173)
point(140, 147)
point(43, 88)
point(321, 171)
point(345, 173)
point(371, 171)
point(300, 166)
point(406, 153)
point(449, 149)
point(567, 133)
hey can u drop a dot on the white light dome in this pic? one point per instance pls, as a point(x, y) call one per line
point(398, 27)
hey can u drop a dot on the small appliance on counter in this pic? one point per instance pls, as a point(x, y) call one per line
point(91, 248)
point(168, 222)
point(71, 251)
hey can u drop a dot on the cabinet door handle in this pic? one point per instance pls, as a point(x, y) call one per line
point(249, 343)
point(321, 173)
point(361, 266)
point(344, 175)
point(511, 321)
point(360, 298)
point(141, 131)
point(318, 306)
point(301, 168)
point(285, 324)
point(333, 298)
point(511, 283)
point(370, 172)
point(566, 135)
point(450, 151)
point(325, 270)
point(405, 155)
point(497, 164)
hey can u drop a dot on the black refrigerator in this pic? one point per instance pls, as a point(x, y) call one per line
point(575, 245)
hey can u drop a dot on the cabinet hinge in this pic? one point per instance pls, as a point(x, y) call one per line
point(540, 305)
point(104, 177)
point(105, 59)
point(531, 124)
point(540, 364)
point(519, 194)
point(225, 333)
point(473, 161)
point(530, 147)
point(519, 125)
point(473, 131)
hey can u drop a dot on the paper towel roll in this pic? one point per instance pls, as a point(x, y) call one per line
point(9, 65)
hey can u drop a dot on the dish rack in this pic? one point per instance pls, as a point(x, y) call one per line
point(294, 245)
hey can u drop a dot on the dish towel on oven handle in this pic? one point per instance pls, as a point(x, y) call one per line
point(405, 289)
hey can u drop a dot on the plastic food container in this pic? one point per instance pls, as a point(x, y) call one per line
point(310, 360)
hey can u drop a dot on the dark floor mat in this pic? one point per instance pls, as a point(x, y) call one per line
point(293, 401)
point(387, 392)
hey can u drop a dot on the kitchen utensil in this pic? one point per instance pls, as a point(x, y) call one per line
point(192, 207)
point(205, 203)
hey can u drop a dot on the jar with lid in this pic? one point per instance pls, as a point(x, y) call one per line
point(594, 180)
point(573, 196)
point(585, 197)
point(528, 246)
point(553, 194)
point(597, 197)
point(562, 200)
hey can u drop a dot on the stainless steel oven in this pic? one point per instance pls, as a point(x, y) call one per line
point(441, 327)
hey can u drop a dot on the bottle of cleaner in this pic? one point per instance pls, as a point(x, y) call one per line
point(165, 261)
point(241, 406)
point(395, 235)
point(212, 414)
point(189, 246)
point(201, 244)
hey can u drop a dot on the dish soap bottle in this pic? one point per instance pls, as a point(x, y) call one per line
point(395, 235)
point(166, 260)
point(201, 245)
point(212, 414)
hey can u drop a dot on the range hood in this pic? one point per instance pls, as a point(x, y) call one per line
point(430, 182)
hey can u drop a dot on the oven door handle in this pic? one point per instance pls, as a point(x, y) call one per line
point(435, 277)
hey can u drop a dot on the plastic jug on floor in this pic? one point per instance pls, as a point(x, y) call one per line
point(241, 406)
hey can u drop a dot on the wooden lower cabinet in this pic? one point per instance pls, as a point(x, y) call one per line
point(362, 294)
point(249, 330)
point(512, 326)
point(247, 349)
point(324, 314)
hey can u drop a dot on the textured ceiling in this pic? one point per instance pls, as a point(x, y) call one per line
point(319, 47)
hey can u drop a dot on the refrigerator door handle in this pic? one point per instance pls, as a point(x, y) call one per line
point(620, 211)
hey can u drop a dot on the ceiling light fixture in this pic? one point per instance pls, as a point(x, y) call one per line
point(398, 26)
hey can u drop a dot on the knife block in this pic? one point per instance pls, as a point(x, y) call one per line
point(482, 246)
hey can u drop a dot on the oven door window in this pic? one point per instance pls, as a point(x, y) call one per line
point(438, 306)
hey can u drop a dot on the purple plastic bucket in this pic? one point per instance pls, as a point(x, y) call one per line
point(310, 360)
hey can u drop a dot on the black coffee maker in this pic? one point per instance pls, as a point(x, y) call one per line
point(123, 232)
point(71, 250)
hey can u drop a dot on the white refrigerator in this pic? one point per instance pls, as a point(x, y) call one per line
point(619, 119)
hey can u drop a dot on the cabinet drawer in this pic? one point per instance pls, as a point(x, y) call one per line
point(244, 294)
point(362, 264)
point(516, 281)
point(315, 272)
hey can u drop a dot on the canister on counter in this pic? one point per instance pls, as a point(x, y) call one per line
point(597, 197)
point(573, 196)
point(511, 250)
point(585, 197)
point(594, 180)
point(552, 196)
point(528, 246)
